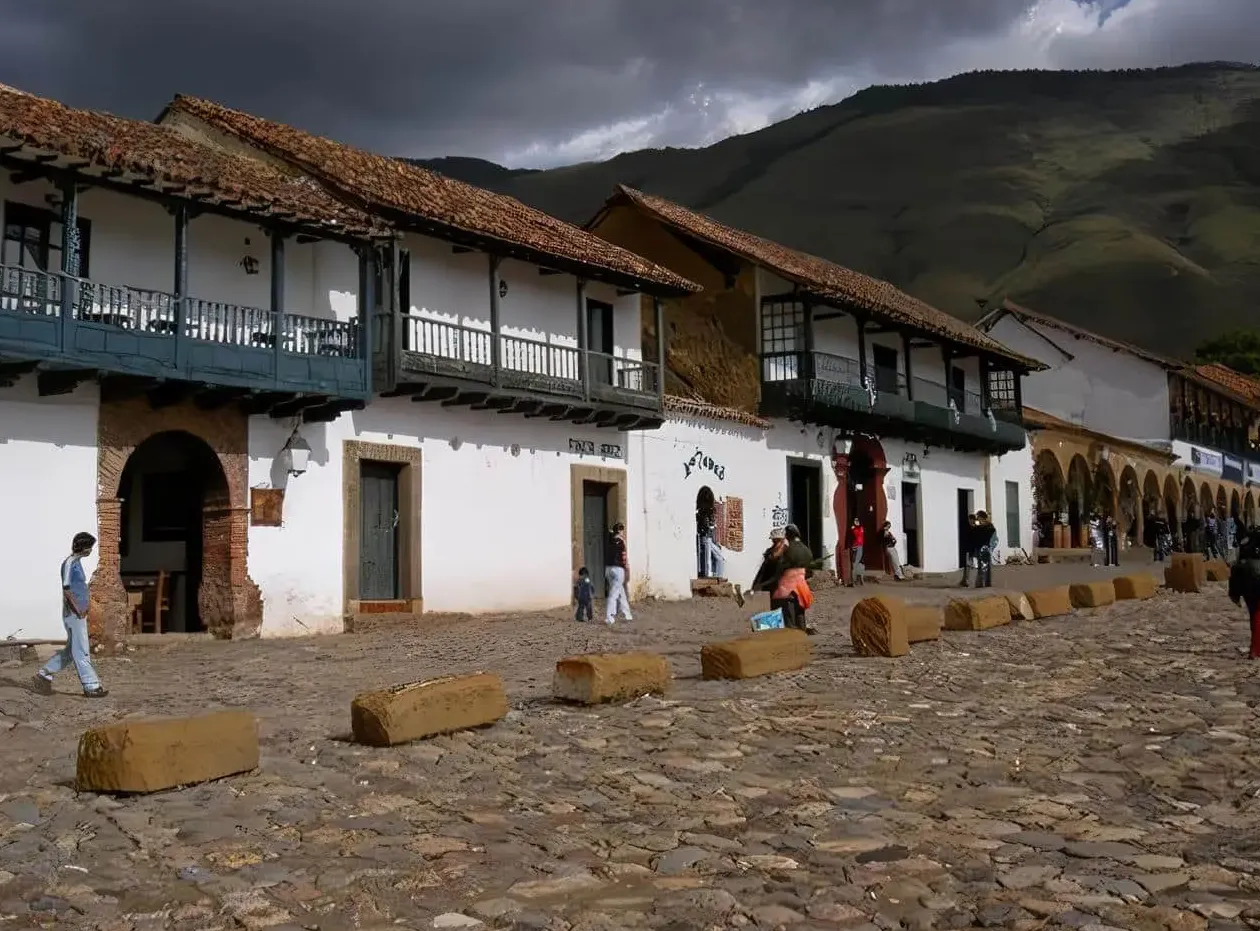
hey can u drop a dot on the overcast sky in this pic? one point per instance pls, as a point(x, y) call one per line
point(546, 82)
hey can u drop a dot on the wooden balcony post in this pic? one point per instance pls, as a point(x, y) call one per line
point(179, 305)
point(905, 348)
point(583, 340)
point(861, 335)
point(986, 401)
point(277, 297)
point(947, 357)
point(658, 314)
point(366, 307)
point(69, 257)
point(805, 368)
point(496, 349)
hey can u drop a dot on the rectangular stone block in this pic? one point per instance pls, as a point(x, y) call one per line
point(977, 614)
point(759, 654)
point(149, 756)
point(1093, 594)
point(1191, 563)
point(877, 627)
point(1135, 587)
point(1216, 570)
point(1021, 610)
point(1187, 576)
point(924, 622)
point(425, 709)
point(609, 677)
point(1050, 602)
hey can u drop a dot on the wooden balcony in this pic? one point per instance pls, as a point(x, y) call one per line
point(459, 365)
point(828, 389)
point(71, 330)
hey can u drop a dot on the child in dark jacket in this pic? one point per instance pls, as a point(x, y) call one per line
point(1244, 583)
point(584, 595)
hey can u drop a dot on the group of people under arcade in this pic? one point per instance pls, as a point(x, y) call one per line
point(1216, 537)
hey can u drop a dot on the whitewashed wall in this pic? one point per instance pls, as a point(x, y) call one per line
point(513, 511)
point(48, 458)
point(1108, 391)
point(754, 465)
point(133, 244)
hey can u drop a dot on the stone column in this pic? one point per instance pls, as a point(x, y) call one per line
point(229, 602)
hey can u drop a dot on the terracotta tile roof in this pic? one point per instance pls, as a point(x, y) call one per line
point(825, 279)
point(132, 151)
point(1242, 385)
point(452, 207)
point(694, 407)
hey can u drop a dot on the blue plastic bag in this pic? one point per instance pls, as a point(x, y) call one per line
point(768, 620)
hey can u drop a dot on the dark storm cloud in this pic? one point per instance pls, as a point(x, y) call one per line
point(485, 77)
point(475, 76)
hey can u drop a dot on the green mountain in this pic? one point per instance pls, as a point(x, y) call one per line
point(1124, 201)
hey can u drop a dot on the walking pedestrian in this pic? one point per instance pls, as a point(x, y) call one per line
point(1244, 585)
point(968, 546)
point(1097, 547)
point(889, 540)
point(75, 599)
point(617, 576)
point(1111, 541)
point(985, 541)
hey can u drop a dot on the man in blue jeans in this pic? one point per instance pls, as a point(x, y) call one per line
point(74, 611)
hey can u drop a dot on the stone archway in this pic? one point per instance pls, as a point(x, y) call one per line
point(865, 463)
point(1129, 505)
point(1080, 499)
point(1171, 510)
point(230, 602)
point(1222, 502)
point(1050, 494)
point(1235, 505)
point(1207, 503)
point(1249, 510)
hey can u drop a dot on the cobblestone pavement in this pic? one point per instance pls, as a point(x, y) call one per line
point(1088, 772)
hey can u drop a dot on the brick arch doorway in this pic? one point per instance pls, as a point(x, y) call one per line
point(706, 529)
point(204, 455)
point(860, 493)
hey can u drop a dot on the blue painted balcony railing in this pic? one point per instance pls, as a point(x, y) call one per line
point(134, 331)
point(825, 387)
point(437, 347)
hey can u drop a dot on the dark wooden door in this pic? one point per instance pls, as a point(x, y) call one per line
point(966, 505)
point(958, 388)
point(378, 535)
point(805, 504)
point(599, 340)
point(886, 378)
point(595, 530)
point(910, 522)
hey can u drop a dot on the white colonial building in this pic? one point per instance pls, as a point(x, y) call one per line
point(1130, 433)
point(196, 331)
point(826, 395)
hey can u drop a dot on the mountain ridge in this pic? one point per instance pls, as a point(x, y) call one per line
point(1124, 201)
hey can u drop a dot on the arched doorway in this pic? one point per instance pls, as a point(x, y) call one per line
point(1170, 503)
point(1235, 505)
point(1249, 510)
point(171, 488)
point(1050, 489)
point(1080, 497)
point(1222, 503)
point(1207, 504)
point(1129, 502)
point(859, 475)
point(1152, 507)
point(706, 520)
point(1191, 516)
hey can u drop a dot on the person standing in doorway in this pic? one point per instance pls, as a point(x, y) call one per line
point(75, 599)
point(856, 544)
point(984, 541)
point(1163, 539)
point(617, 576)
point(889, 540)
point(968, 544)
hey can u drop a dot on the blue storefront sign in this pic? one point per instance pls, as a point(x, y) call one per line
point(1204, 460)
point(1232, 469)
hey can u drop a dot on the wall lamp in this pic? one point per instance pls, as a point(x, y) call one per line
point(298, 452)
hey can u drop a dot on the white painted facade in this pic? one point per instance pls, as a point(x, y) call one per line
point(1105, 390)
point(48, 459)
point(498, 486)
point(754, 466)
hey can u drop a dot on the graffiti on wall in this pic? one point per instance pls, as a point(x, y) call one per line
point(702, 461)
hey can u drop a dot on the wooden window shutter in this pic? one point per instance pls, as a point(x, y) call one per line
point(732, 523)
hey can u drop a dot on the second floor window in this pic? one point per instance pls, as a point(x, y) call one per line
point(32, 239)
